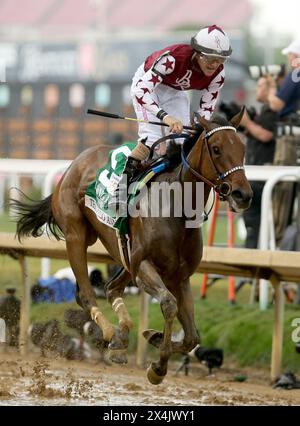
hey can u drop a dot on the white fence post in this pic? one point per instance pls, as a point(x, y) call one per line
point(267, 221)
point(2, 331)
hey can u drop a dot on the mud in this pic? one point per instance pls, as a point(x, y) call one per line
point(35, 381)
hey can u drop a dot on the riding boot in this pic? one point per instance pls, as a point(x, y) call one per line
point(121, 194)
point(119, 198)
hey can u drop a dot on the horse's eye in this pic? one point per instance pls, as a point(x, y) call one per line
point(216, 150)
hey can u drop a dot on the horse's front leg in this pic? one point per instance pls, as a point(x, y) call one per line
point(149, 279)
point(185, 315)
point(185, 304)
point(114, 292)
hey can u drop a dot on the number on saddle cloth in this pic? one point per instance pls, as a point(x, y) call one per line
point(99, 193)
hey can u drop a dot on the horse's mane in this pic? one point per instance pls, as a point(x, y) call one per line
point(174, 150)
point(220, 120)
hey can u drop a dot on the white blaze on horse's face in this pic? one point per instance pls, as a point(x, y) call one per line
point(241, 195)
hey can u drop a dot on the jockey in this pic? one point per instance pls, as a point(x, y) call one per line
point(159, 87)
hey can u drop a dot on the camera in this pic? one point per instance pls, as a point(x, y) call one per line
point(257, 71)
point(294, 119)
point(290, 126)
point(229, 109)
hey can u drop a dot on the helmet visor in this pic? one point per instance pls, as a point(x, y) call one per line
point(211, 52)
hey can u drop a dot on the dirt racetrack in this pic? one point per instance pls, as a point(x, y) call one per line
point(41, 381)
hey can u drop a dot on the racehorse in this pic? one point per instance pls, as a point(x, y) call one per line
point(164, 252)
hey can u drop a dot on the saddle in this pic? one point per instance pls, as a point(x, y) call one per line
point(170, 160)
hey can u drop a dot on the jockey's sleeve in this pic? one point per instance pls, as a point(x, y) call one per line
point(209, 96)
point(144, 91)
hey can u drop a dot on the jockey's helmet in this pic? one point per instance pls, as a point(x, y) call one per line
point(213, 41)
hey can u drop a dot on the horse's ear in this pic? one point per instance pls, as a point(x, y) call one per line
point(207, 125)
point(235, 121)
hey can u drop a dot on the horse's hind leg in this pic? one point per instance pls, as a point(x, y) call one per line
point(114, 292)
point(149, 279)
point(76, 242)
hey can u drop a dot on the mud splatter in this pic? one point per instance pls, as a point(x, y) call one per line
point(77, 388)
point(36, 381)
point(133, 387)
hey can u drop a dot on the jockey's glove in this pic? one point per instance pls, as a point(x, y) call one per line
point(175, 124)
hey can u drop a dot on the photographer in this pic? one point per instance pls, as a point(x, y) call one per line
point(259, 151)
point(285, 101)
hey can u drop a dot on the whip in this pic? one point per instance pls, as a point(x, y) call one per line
point(119, 117)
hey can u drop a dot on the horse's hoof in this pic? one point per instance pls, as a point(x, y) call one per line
point(119, 356)
point(154, 378)
point(153, 337)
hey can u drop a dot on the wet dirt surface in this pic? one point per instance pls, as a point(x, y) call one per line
point(43, 381)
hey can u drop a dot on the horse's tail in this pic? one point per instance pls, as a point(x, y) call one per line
point(31, 216)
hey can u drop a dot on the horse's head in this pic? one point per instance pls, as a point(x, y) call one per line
point(222, 160)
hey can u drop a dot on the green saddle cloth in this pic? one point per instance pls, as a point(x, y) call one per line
point(99, 192)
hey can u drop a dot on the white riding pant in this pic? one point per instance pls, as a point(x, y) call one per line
point(174, 102)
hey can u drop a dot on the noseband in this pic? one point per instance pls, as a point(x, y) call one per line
point(224, 189)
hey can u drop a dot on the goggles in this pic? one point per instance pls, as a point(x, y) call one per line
point(210, 59)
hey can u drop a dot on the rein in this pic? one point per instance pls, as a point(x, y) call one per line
point(224, 189)
point(172, 136)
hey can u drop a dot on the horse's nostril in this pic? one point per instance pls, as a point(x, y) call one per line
point(237, 194)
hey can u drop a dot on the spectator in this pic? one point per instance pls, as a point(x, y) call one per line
point(10, 307)
point(285, 101)
point(260, 148)
point(260, 151)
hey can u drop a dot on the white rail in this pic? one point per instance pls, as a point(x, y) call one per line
point(49, 169)
point(266, 240)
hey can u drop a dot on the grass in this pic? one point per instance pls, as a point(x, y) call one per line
point(241, 330)
point(6, 223)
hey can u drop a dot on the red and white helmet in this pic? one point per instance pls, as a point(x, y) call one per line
point(212, 40)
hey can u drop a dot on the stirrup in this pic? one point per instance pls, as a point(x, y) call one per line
point(131, 168)
point(129, 172)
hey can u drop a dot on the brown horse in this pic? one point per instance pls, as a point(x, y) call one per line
point(164, 252)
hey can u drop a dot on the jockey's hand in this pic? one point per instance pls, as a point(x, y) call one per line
point(175, 125)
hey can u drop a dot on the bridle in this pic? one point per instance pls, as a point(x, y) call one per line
point(224, 189)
